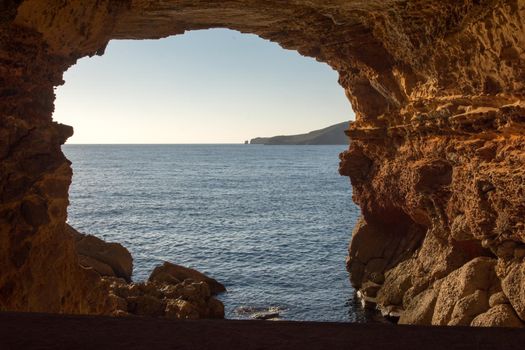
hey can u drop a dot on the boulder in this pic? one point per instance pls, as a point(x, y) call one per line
point(409, 278)
point(117, 303)
point(188, 299)
point(101, 268)
point(469, 307)
point(181, 309)
point(171, 272)
point(195, 291)
point(172, 291)
point(454, 300)
point(146, 305)
point(391, 312)
point(216, 308)
point(421, 309)
point(512, 285)
point(501, 315)
point(367, 244)
point(497, 299)
point(98, 254)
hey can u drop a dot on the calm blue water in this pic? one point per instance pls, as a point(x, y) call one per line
point(272, 223)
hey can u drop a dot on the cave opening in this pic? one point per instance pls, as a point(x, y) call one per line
point(425, 102)
point(264, 220)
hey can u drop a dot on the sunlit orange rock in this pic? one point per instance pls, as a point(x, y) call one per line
point(436, 159)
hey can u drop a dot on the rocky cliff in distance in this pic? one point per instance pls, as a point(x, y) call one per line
point(436, 160)
point(332, 135)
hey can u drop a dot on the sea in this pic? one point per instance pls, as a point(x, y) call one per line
point(272, 223)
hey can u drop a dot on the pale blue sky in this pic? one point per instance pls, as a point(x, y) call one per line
point(213, 86)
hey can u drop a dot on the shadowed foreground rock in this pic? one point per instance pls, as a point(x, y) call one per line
point(108, 259)
point(436, 160)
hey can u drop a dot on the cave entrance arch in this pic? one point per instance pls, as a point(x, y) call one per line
point(44, 38)
point(415, 93)
point(181, 220)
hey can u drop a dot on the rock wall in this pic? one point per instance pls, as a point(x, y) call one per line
point(435, 162)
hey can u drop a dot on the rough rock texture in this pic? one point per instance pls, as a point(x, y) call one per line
point(108, 259)
point(168, 272)
point(172, 291)
point(498, 316)
point(436, 159)
point(182, 299)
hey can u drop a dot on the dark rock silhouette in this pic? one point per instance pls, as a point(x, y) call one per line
point(332, 135)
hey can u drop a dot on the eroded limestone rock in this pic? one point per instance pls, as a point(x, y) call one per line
point(501, 315)
point(513, 285)
point(463, 293)
point(421, 309)
point(436, 159)
point(498, 299)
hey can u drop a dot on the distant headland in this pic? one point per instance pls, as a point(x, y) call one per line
point(332, 135)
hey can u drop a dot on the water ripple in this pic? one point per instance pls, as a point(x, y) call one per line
point(271, 223)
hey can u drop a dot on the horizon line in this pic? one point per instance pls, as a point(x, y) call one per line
point(155, 143)
point(183, 144)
